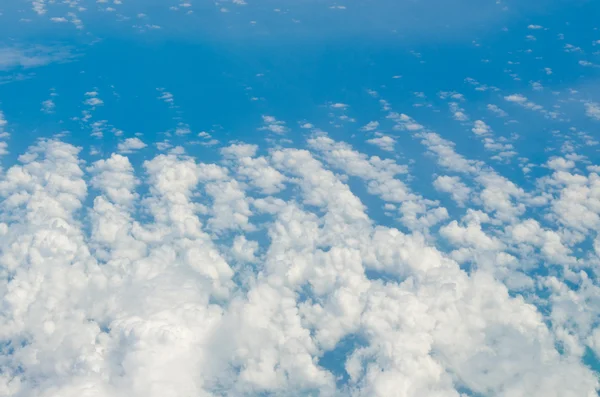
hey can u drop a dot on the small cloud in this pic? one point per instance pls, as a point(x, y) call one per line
point(384, 142)
point(536, 86)
point(495, 109)
point(480, 128)
point(560, 164)
point(48, 106)
point(338, 105)
point(130, 145)
point(94, 101)
point(592, 110)
point(371, 126)
point(182, 129)
point(522, 101)
point(14, 57)
point(273, 125)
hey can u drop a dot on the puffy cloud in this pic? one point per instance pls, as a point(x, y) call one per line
point(452, 184)
point(592, 110)
point(370, 126)
point(480, 128)
point(458, 112)
point(560, 164)
point(416, 211)
point(256, 170)
point(495, 109)
point(524, 102)
point(338, 105)
point(3, 123)
point(130, 145)
point(577, 200)
point(48, 106)
point(136, 298)
point(273, 125)
point(384, 142)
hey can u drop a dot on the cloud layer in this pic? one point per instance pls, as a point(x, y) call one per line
point(212, 283)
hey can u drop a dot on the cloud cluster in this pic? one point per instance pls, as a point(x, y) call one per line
point(185, 278)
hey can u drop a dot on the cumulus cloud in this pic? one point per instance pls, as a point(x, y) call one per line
point(3, 124)
point(453, 185)
point(495, 109)
point(271, 124)
point(384, 142)
point(155, 286)
point(370, 126)
point(592, 110)
point(303, 267)
point(480, 128)
point(130, 145)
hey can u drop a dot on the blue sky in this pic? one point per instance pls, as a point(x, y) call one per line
point(369, 198)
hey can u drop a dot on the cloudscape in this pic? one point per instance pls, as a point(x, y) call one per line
point(375, 198)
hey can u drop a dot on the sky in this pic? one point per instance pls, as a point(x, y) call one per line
point(299, 198)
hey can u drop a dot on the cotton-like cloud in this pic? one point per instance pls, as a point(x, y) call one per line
point(480, 128)
point(123, 305)
point(384, 142)
point(370, 126)
point(453, 185)
point(271, 124)
point(130, 145)
point(592, 110)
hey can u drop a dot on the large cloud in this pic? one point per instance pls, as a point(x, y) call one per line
point(166, 292)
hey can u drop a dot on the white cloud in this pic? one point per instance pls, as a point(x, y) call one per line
point(592, 110)
point(416, 212)
point(469, 236)
point(31, 57)
point(452, 184)
point(339, 105)
point(92, 99)
point(130, 145)
point(384, 142)
point(48, 106)
point(537, 86)
point(370, 126)
point(131, 296)
point(480, 128)
point(495, 109)
point(256, 170)
point(458, 112)
point(3, 124)
point(522, 101)
point(560, 164)
point(273, 125)
point(182, 129)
